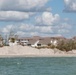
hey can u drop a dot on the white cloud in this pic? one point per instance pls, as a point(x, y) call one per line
point(19, 10)
point(26, 27)
point(22, 5)
point(63, 31)
point(47, 18)
point(45, 23)
point(53, 24)
point(14, 16)
point(70, 5)
point(34, 28)
point(21, 33)
point(65, 25)
point(46, 29)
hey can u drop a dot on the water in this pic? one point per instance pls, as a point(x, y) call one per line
point(38, 66)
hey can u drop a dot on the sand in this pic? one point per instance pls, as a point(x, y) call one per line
point(26, 51)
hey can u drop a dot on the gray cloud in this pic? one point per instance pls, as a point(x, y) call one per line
point(23, 5)
point(25, 29)
point(19, 10)
point(14, 16)
point(70, 5)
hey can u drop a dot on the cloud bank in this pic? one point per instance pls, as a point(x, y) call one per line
point(33, 17)
point(19, 10)
point(23, 5)
point(14, 16)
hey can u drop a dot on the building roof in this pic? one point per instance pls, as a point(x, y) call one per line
point(32, 42)
point(42, 40)
point(57, 38)
point(24, 38)
point(45, 41)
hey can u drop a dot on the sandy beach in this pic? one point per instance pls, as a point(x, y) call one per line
point(26, 51)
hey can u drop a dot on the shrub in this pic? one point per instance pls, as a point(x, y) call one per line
point(49, 44)
point(66, 45)
point(53, 46)
point(12, 40)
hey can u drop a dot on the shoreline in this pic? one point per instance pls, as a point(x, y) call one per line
point(25, 51)
point(32, 56)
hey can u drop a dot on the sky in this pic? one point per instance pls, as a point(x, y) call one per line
point(38, 17)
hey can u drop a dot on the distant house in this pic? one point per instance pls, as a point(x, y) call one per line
point(44, 42)
point(34, 41)
point(23, 41)
point(49, 40)
point(55, 40)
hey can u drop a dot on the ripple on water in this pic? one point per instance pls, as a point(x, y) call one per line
point(38, 66)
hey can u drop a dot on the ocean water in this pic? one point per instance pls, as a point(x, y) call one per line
point(38, 66)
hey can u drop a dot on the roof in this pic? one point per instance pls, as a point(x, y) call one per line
point(37, 37)
point(44, 41)
point(24, 38)
point(57, 38)
point(33, 41)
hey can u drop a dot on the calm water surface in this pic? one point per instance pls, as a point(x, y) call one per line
point(38, 66)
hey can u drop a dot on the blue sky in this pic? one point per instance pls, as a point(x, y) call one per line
point(38, 17)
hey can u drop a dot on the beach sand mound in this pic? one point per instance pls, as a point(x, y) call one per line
point(29, 51)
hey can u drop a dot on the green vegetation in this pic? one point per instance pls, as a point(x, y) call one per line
point(12, 40)
point(67, 45)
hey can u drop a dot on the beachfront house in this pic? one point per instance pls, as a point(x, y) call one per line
point(28, 41)
point(55, 40)
point(43, 42)
point(33, 42)
point(23, 41)
point(49, 41)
